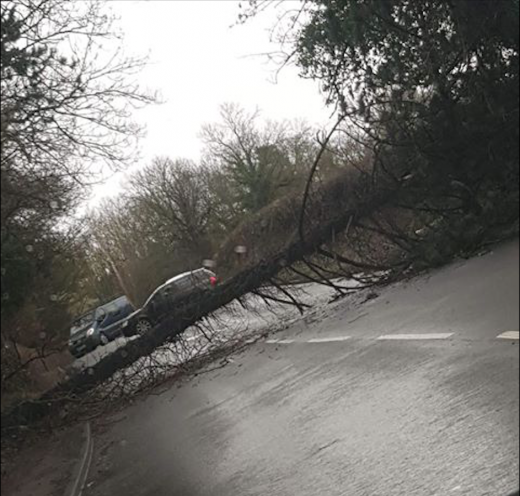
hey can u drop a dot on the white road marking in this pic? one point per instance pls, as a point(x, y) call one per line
point(84, 466)
point(388, 337)
point(337, 339)
point(412, 337)
point(509, 335)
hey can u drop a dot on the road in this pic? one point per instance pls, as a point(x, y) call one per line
point(414, 392)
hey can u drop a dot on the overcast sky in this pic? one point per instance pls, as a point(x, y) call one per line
point(199, 61)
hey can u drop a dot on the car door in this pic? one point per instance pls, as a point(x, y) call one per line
point(113, 312)
point(157, 304)
point(126, 308)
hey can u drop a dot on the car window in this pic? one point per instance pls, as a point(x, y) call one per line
point(184, 284)
point(181, 285)
point(112, 308)
point(100, 314)
point(162, 295)
point(200, 277)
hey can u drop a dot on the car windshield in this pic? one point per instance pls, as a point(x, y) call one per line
point(82, 322)
point(151, 297)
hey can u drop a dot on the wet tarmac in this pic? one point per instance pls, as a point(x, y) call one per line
point(328, 408)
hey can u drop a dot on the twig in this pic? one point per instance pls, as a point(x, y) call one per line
point(314, 167)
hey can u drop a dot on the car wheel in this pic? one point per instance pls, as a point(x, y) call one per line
point(103, 339)
point(143, 326)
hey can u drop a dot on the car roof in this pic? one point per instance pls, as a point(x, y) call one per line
point(177, 277)
point(94, 310)
point(117, 301)
point(174, 279)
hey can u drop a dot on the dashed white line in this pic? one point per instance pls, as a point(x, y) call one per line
point(280, 341)
point(337, 339)
point(414, 337)
point(509, 335)
point(514, 335)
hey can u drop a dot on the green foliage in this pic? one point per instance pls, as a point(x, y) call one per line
point(437, 78)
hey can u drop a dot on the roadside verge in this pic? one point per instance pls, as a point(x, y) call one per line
point(53, 465)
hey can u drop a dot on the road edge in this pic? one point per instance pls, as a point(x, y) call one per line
point(76, 486)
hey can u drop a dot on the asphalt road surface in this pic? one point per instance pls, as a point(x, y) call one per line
point(414, 392)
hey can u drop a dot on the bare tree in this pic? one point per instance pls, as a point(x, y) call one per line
point(158, 227)
point(176, 196)
point(260, 160)
point(66, 102)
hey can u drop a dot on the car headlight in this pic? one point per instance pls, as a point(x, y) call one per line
point(90, 332)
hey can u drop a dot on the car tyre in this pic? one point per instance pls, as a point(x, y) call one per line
point(143, 326)
point(103, 339)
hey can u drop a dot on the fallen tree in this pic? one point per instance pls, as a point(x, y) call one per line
point(333, 207)
point(441, 177)
point(348, 220)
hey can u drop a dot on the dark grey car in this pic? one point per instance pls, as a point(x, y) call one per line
point(144, 319)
